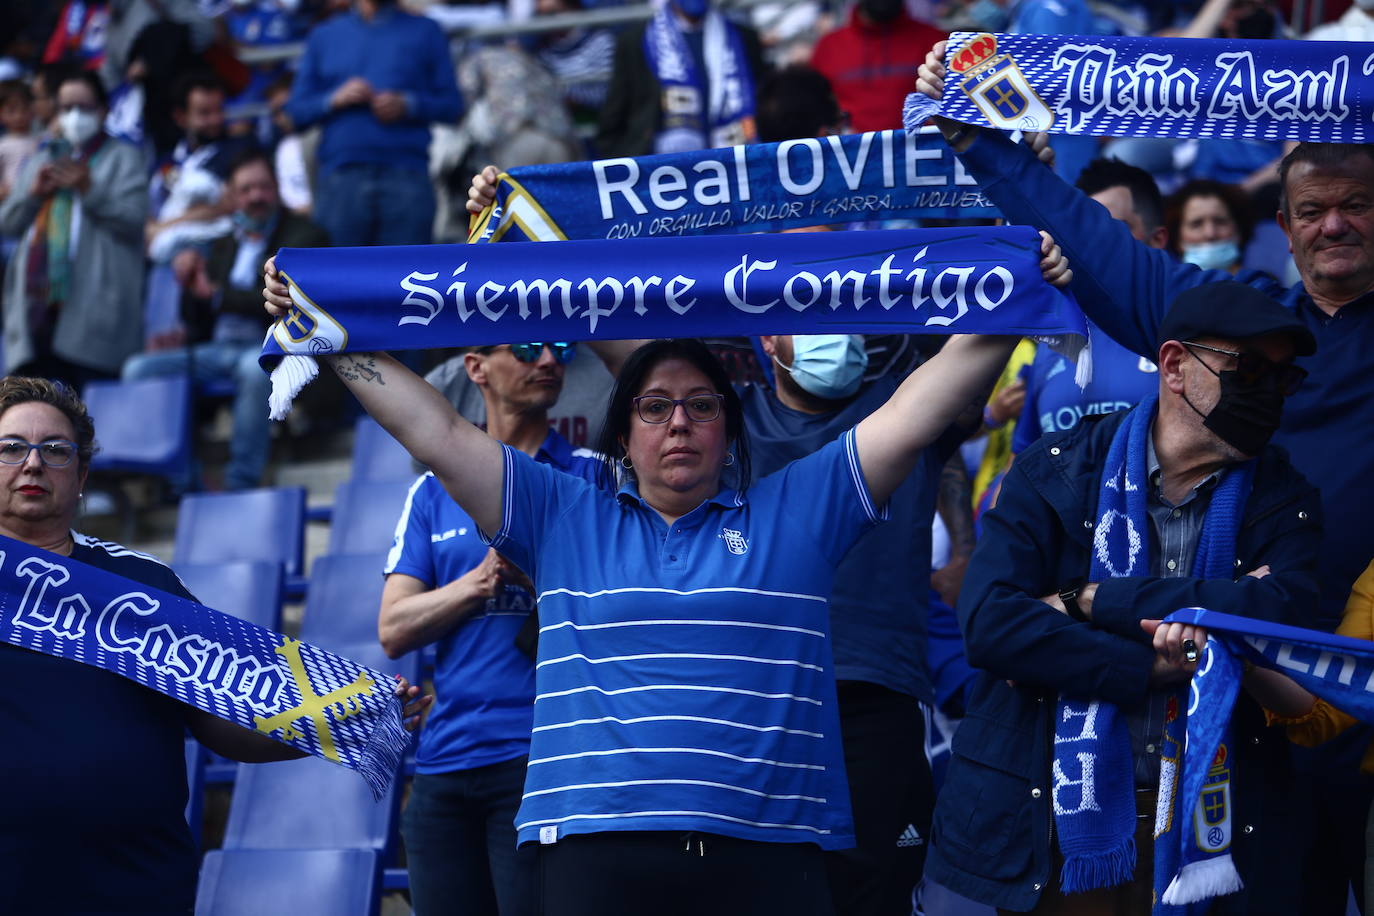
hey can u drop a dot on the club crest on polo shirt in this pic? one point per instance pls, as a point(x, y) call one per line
point(734, 541)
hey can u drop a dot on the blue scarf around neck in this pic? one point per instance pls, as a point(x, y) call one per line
point(699, 110)
point(1093, 774)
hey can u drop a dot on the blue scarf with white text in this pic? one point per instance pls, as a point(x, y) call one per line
point(1092, 769)
point(980, 280)
point(759, 187)
point(296, 693)
point(1318, 91)
point(1338, 669)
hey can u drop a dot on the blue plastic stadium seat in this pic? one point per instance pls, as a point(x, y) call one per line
point(378, 456)
point(249, 589)
point(142, 427)
point(302, 882)
point(365, 514)
point(266, 524)
point(345, 597)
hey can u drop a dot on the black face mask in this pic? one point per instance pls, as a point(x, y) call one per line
point(881, 10)
point(1246, 415)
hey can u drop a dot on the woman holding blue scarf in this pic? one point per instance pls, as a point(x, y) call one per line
point(686, 752)
point(94, 814)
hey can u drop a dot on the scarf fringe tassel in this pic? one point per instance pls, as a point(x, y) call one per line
point(1201, 880)
point(1088, 871)
point(381, 756)
point(917, 109)
point(290, 376)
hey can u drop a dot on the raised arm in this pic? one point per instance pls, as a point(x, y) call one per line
point(482, 194)
point(891, 438)
point(1123, 285)
point(466, 460)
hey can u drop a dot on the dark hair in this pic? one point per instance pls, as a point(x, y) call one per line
point(1236, 201)
point(793, 103)
point(52, 75)
point(248, 156)
point(1319, 155)
point(186, 83)
point(19, 389)
point(615, 429)
point(90, 79)
point(1101, 174)
point(15, 90)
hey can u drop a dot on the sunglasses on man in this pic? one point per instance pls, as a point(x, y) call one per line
point(530, 352)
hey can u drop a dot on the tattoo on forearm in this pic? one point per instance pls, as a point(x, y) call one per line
point(954, 502)
point(359, 368)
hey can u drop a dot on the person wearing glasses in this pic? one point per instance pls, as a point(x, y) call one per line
point(686, 753)
point(586, 385)
point(97, 764)
point(1065, 593)
point(445, 587)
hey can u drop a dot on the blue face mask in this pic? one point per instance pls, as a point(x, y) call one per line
point(1212, 255)
point(988, 15)
point(248, 224)
point(829, 366)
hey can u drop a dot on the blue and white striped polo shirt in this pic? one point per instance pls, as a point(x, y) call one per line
point(684, 678)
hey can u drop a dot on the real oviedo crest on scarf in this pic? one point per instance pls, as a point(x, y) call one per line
point(999, 89)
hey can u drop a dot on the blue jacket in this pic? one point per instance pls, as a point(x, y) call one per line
point(395, 52)
point(991, 838)
point(1126, 287)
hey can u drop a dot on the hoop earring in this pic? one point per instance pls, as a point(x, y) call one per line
point(625, 462)
point(729, 458)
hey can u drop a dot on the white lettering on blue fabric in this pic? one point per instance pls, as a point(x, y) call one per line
point(1285, 95)
point(1086, 784)
point(949, 290)
point(1151, 85)
point(430, 301)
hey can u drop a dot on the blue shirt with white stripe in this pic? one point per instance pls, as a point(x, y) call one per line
point(484, 686)
point(685, 679)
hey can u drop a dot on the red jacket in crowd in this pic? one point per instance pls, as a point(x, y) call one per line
point(872, 66)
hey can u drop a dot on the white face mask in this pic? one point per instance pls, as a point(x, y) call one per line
point(78, 125)
point(1212, 255)
point(829, 366)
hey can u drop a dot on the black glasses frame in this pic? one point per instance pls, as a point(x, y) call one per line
point(715, 398)
point(1253, 368)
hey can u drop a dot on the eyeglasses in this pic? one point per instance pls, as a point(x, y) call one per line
point(530, 352)
point(1253, 369)
point(55, 453)
point(700, 408)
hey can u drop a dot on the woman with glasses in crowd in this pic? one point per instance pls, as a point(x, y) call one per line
point(94, 819)
point(686, 754)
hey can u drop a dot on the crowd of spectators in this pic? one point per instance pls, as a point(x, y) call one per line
point(375, 120)
point(156, 153)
